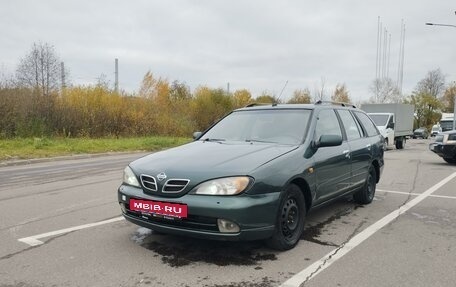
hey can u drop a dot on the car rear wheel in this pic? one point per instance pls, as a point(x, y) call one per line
point(450, 160)
point(367, 193)
point(290, 220)
point(400, 143)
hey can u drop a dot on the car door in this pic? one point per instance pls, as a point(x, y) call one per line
point(360, 147)
point(332, 164)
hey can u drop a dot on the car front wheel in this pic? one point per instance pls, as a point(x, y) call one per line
point(290, 220)
point(367, 193)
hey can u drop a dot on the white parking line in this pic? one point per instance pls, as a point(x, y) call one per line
point(416, 194)
point(33, 240)
point(320, 265)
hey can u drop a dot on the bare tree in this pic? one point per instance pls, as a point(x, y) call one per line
point(320, 91)
point(385, 91)
point(5, 79)
point(433, 84)
point(40, 69)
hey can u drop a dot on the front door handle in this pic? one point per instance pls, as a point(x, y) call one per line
point(346, 153)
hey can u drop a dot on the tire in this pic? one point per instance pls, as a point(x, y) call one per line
point(366, 194)
point(290, 220)
point(450, 160)
point(400, 144)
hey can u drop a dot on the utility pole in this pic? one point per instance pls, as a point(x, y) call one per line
point(454, 113)
point(454, 107)
point(116, 82)
point(62, 72)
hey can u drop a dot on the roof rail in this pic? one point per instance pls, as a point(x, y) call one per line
point(259, 104)
point(320, 102)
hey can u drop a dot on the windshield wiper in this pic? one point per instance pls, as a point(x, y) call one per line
point(257, 141)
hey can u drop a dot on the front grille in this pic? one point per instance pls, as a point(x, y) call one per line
point(175, 185)
point(149, 182)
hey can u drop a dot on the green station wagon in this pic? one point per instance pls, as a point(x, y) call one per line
point(256, 173)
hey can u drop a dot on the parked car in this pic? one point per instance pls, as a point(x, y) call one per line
point(445, 146)
point(420, 133)
point(435, 130)
point(256, 173)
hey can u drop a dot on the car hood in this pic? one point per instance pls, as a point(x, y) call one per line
point(199, 160)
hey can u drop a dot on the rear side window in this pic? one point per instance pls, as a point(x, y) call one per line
point(367, 124)
point(350, 125)
point(327, 124)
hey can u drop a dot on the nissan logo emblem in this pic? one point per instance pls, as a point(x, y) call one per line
point(161, 176)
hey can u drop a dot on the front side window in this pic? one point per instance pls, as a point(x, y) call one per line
point(327, 124)
point(270, 126)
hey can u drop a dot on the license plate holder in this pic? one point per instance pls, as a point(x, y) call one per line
point(162, 209)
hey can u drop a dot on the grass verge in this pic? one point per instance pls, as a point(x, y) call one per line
point(28, 148)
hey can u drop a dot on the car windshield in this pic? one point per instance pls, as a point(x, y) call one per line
point(269, 126)
point(446, 125)
point(379, 120)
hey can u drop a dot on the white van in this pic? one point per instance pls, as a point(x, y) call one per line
point(435, 130)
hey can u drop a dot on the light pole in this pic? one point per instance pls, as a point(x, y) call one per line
point(454, 107)
point(445, 25)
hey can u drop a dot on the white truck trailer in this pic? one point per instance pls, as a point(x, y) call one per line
point(447, 121)
point(394, 121)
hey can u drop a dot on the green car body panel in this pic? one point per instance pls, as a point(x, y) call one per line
point(321, 173)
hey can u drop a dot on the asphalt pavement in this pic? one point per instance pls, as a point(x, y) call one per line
point(60, 225)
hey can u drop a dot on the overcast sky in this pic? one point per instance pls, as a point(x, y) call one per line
point(256, 45)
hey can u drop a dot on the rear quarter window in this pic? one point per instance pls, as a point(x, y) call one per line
point(367, 123)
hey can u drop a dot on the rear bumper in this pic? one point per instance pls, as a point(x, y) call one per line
point(255, 214)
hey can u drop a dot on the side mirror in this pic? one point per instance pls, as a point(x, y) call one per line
point(329, 140)
point(196, 135)
point(390, 126)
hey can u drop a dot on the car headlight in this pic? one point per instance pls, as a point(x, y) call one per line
point(130, 178)
point(223, 186)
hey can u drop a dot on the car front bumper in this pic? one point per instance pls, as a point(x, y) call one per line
point(445, 151)
point(254, 214)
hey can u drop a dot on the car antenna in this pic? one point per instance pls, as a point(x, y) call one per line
point(281, 92)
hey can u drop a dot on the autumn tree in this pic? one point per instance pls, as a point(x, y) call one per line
point(266, 98)
point(241, 98)
point(384, 91)
point(300, 96)
point(209, 105)
point(427, 109)
point(40, 69)
point(433, 84)
point(341, 94)
point(154, 88)
point(448, 98)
